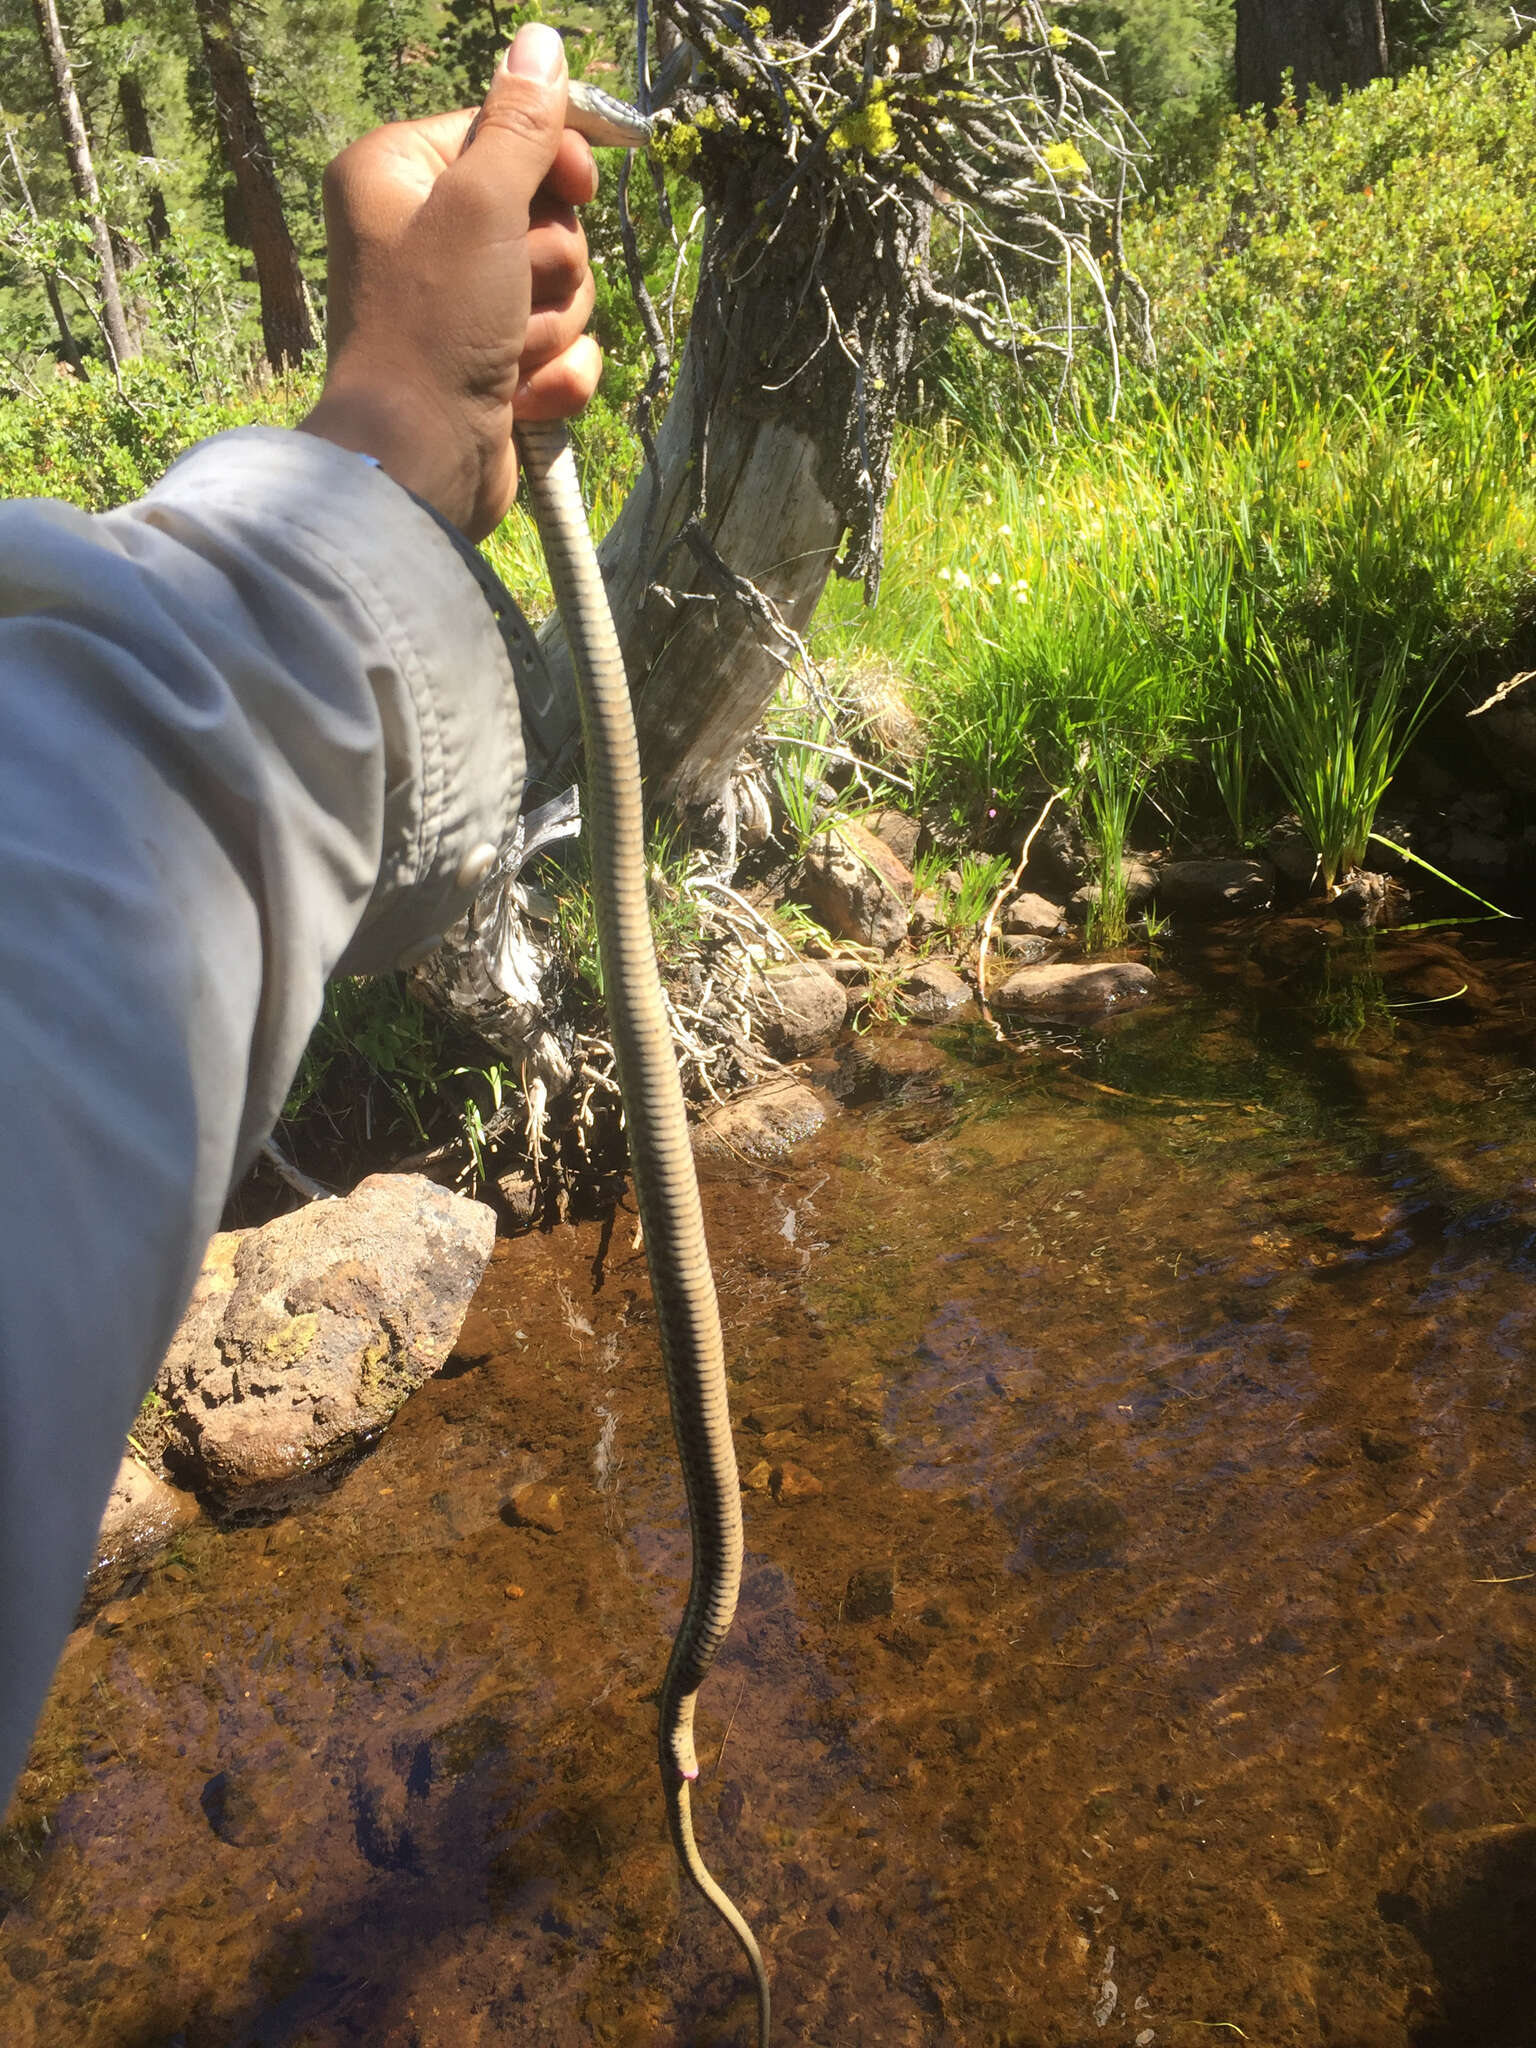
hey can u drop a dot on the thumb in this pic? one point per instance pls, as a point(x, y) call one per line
point(517, 131)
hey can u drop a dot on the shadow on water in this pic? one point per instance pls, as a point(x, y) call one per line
point(1138, 1644)
point(1471, 1914)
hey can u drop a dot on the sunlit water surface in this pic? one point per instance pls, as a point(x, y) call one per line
point(1171, 1386)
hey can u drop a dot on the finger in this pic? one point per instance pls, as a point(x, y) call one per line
point(553, 327)
point(519, 134)
point(560, 388)
point(557, 256)
point(572, 177)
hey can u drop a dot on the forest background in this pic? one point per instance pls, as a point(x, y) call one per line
point(1302, 511)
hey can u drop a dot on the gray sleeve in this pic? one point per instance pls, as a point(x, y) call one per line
point(255, 725)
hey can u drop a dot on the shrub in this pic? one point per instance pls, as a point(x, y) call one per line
point(95, 446)
point(1388, 233)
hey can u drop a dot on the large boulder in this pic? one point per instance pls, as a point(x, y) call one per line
point(799, 1008)
point(303, 1337)
point(856, 885)
point(1077, 989)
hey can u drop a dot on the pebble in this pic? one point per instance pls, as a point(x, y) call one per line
point(535, 1505)
point(758, 1478)
point(793, 1482)
point(870, 1593)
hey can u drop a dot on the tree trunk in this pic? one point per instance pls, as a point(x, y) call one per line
point(68, 347)
point(1326, 45)
point(130, 100)
point(286, 331)
point(775, 447)
point(82, 171)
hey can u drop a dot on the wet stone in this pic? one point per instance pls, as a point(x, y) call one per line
point(793, 1482)
point(1026, 947)
point(799, 1008)
point(1078, 988)
point(857, 886)
point(757, 1478)
point(764, 1123)
point(240, 1808)
point(1215, 888)
point(773, 1415)
point(931, 991)
point(871, 1593)
point(535, 1505)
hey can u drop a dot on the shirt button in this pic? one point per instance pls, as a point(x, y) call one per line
point(475, 866)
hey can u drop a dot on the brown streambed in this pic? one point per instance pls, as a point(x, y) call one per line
point(1182, 1377)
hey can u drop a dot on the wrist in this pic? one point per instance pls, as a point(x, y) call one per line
point(413, 440)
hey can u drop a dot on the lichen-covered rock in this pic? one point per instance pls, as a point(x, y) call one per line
point(856, 885)
point(799, 1008)
point(143, 1514)
point(1077, 988)
point(303, 1337)
point(765, 1123)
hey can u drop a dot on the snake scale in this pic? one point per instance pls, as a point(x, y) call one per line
point(661, 1154)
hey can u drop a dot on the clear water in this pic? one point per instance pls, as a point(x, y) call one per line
point(1173, 1386)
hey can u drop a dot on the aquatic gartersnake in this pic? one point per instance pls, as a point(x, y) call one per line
point(661, 1156)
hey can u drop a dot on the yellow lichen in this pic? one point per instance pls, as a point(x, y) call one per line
point(868, 127)
point(289, 1344)
point(1066, 164)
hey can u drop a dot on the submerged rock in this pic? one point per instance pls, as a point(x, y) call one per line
point(1215, 888)
point(143, 1514)
point(766, 1123)
point(302, 1338)
point(1077, 988)
point(870, 1593)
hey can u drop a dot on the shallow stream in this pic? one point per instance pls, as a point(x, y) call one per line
point(1141, 1648)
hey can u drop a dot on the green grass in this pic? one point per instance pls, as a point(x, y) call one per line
point(1122, 597)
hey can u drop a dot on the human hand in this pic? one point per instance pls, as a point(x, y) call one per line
point(459, 288)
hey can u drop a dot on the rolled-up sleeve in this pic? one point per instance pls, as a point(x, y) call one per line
point(257, 725)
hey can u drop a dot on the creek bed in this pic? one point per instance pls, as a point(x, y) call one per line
point(1156, 1662)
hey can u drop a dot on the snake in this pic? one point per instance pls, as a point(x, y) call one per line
point(661, 1153)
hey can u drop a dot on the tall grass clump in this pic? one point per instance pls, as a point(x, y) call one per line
point(1126, 595)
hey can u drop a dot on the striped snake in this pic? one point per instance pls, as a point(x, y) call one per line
point(661, 1155)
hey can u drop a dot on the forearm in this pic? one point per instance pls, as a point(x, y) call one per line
point(257, 724)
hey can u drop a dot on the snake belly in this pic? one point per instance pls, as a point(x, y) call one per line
point(661, 1155)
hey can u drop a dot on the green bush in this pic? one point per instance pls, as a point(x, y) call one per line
point(1390, 233)
point(95, 446)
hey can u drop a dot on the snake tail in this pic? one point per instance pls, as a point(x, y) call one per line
point(661, 1154)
